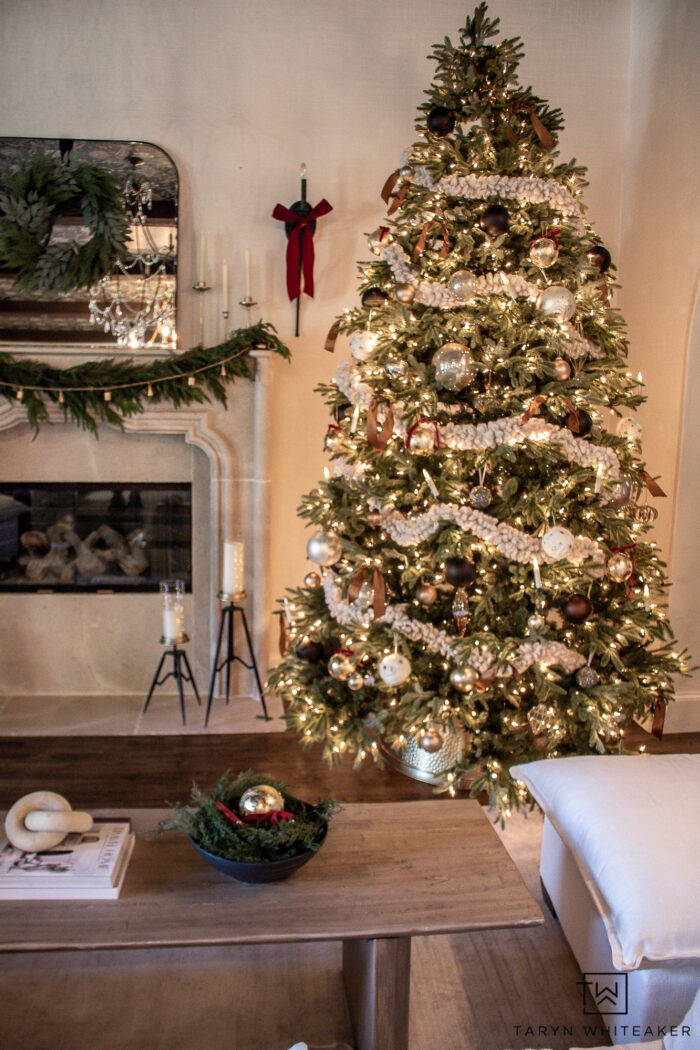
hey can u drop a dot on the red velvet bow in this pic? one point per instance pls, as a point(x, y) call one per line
point(300, 247)
point(552, 234)
point(255, 818)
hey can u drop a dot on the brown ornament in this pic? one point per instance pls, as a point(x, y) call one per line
point(577, 608)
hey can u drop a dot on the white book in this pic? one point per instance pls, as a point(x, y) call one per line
point(72, 888)
point(87, 858)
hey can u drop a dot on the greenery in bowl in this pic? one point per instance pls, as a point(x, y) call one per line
point(216, 833)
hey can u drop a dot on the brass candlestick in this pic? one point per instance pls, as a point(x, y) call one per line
point(201, 287)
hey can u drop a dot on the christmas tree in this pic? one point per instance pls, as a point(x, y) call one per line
point(485, 595)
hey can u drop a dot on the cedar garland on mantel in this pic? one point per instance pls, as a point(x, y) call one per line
point(107, 391)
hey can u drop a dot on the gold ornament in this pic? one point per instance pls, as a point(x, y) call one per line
point(259, 800)
point(312, 580)
point(562, 369)
point(426, 594)
point(460, 610)
point(544, 252)
point(405, 293)
point(620, 567)
point(340, 667)
point(430, 739)
point(355, 682)
point(542, 719)
point(463, 679)
point(378, 240)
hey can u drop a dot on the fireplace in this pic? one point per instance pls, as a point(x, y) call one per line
point(104, 537)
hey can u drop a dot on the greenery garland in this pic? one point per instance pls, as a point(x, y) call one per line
point(37, 194)
point(107, 391)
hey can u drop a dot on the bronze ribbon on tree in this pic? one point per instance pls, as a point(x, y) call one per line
point(283, 639)
point(540, 130)
point(332, 337)
point(378, 437)
point(388, 187)
point(423, 419)
point(420, 244)
point(399, 199)
point(535, 406)
point(300, 246)
point(486, 679)
point(378, 587)
point(657, 725)
point(653, 486)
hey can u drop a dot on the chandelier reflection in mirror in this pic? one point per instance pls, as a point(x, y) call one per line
point(136, 303)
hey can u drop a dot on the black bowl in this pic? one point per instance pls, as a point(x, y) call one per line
point(260, 870)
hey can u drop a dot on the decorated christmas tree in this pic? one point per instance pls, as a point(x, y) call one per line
point(485, 594)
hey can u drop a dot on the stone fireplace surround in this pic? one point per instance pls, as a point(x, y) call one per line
point(91, 644)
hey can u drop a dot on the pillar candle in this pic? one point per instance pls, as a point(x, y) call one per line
point(170, 624)
point(232, 574)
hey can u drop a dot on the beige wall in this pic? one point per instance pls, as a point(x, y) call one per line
point(240, 93)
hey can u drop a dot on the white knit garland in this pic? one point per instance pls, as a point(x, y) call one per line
point(513, 543)
point(437, 641)
point(516, 187)
point(510, 430)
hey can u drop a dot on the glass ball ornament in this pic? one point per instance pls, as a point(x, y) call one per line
point(454, 366)
point(461, 285)
point(423, 437)
point(459, 571)
point(620, 567)
point(334, 440)
point(355, 682)
point(631, 429)
point(535, 622)
point(619, 495)
point(495, 220)
point(394, 669)
point(309, 652)
point(312, 580)
point(480, 497)
point(542, 719)
point(362, 344)
point(378, 240)
point(340, 666)
point(405, 293)
point(406, 171)
point(646, 514)
point(463, 679)
point(427, 594)
point(557, 542)
point(396, 367)
point(557, 301)
point(441, 121)
point(374, 297)
point(324, 548)
point(430, 739)
point(577, 608)
point(543, 252)
point(259, 800)
point(365, 598)
point(587, 677)
point(562, 369)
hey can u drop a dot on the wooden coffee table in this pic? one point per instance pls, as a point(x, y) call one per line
point(387, 872)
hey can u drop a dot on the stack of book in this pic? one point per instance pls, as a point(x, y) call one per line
point(86, 866)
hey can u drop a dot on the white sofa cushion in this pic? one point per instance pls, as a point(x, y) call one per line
point(632, 824)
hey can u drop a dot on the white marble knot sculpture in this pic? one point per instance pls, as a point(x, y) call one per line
point(41, 820)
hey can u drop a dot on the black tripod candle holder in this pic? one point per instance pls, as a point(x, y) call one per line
point(229, 607)
point(181, 672)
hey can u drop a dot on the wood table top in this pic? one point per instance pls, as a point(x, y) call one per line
point(385, 870)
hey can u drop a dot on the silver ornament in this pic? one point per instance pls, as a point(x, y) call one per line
point(377, 241)
point(312, 580)
point(394, 669)
point(259, 800)
point(562, 369)
point(405, 293)
point(587, 677)
point(324, 548)
point(631, 429)
point(426, 594)
point(483, 403)
point(454, 366)
point(334, 441)
point(422, 438)
point(365, 598)
point(461, 285)
point(396, 367)
point(619, 495)
point(480, 497)
point(430, 739)
point(362, 344)
point(463, 679)
point(535, 622)
point(340, 667)
point(557, 542)
point(355, 682)
point(646, 514)
point(543, 252)
point(620, 567)
point(541, 718)
point(557, 301)
point(405, 171)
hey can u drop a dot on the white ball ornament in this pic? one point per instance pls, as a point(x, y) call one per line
point(394, 669)
point(362, 344)
point(461, 285)
point(631, 429)
point(454, 366)
point(324, 548)
point(557, 301)
point(557, 542)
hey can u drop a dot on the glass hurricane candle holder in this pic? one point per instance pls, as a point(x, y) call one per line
point(172, 597)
